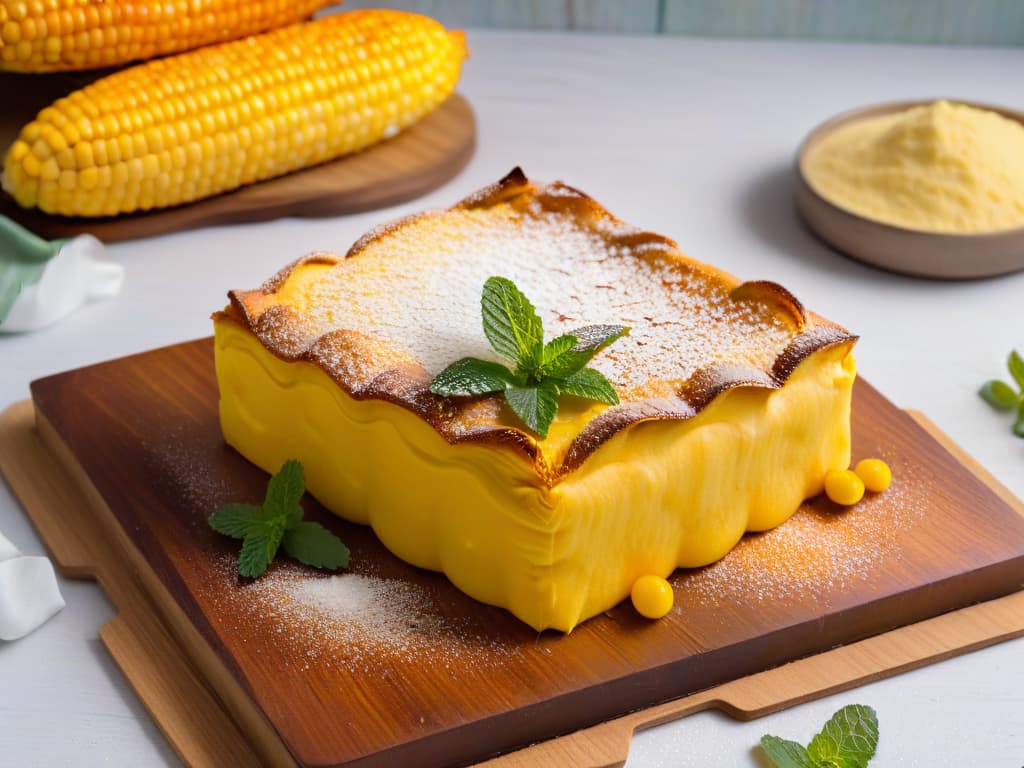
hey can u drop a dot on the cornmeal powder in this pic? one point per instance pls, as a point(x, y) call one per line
point(942, 167)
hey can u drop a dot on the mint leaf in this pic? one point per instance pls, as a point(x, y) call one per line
point(285, 489)
point(314, 545)
point(1016, 365)
point(470, 376)
point(786, 754)
point(555, 349)
point(535, 405)
point(258, 550)
point(511, 324)
point(999, 395)
point(542, 371)
point(264, 529)
point(1003, 397)
point(848, 740)
point(237, 520)
point(590, 340)
point(597, 337)
point(588, 383)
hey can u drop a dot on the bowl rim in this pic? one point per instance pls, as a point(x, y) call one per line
point(865, 111)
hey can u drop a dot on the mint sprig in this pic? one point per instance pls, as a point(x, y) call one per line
point(541, 372)
point(1003, 396)
point(278, 522)
point(848, 740)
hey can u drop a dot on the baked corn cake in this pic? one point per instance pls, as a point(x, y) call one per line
point(734, 401)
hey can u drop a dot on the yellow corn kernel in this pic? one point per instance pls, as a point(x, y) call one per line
point(233, 114)
point(85, 34)
point(83, 154)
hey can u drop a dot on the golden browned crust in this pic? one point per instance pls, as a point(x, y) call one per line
point(402, 380)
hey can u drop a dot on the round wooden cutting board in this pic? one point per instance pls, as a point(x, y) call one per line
point(413, 163)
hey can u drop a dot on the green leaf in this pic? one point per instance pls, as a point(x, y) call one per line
point(848, 740)
point(597, 337)
point(535, 405)
point(590, 340)
point(555, 349)
point(511, 324)
point(786, 754)
point(588, 383)
point(314, 545)
point(999, 395)
point(1016, 365)
point(237, 520)
point(1018, 427)
point(470, 376)
point(294, 517)
point(23, 258)
point(259, 549)
point(285, 490)
point(279, 520)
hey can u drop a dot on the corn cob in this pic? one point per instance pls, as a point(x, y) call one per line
point(53, 35)
point(182, 128)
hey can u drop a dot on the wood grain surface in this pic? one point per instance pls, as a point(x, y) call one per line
point(411, 164)
point(142, 435)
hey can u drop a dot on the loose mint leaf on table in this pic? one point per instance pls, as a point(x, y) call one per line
point(542, 371)
point(237, 520)
point(999, 395)
point(1003, 397)
point(263, 529)
point(258, 549)
point(285, 488)
point(314, 545)
point(1016, 365)
point(848, 740)
point(786, 754)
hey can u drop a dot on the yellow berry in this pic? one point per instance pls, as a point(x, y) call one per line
point(843, 486)
point(875, 473)
point(652, 596)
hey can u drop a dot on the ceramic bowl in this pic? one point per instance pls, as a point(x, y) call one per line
point(909, 251)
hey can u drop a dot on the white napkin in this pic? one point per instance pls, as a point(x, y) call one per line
point(73, 277)
point(28, 592)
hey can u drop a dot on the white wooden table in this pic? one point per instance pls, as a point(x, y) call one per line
point(694, 139)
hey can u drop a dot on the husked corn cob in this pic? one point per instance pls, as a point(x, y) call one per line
point(52, 35)
point(185, 127)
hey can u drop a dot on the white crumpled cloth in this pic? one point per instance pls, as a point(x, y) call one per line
point(28, 592)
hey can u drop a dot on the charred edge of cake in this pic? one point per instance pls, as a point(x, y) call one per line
point(775, 294)
point(405, 385)
point(697, 393)
point(316, 257)
point(511, 185)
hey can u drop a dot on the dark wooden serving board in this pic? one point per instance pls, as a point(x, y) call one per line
point(411, 164)
point(141, 436)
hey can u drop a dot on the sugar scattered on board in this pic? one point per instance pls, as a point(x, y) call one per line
point(359, 620)
point(817, 555)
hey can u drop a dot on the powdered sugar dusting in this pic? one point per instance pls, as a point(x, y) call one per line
point(358, 620)
point(417, 292)
point(820, 553)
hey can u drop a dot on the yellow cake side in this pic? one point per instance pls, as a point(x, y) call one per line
point(657, 495)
